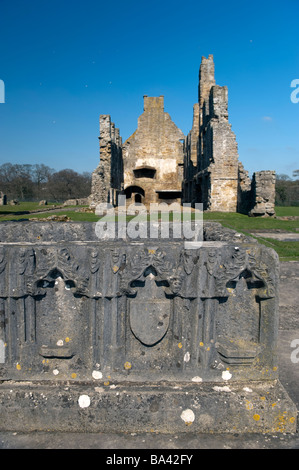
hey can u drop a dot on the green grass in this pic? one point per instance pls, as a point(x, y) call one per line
point(25, 207)
point(241, 222)
point(287, 211)
point(287, 251)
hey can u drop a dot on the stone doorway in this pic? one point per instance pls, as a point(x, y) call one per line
point(135, 193)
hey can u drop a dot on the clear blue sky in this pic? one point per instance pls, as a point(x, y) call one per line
point(66, 62)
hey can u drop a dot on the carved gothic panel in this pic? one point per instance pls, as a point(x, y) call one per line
point(150, 312)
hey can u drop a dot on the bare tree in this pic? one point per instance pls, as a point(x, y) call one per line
point(39, 181)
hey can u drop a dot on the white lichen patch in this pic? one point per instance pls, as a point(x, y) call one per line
point(188, 416)
point(84, 401)
point(55, 371)
point(226, 375)
point(97, 374)
point(247, 389)
point(2, 351)
point(225, 388)
point(187, 357)
point(60, 342)
point(196, 379)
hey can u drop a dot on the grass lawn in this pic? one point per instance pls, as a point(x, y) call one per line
point(287, 211)
point(239, 222)
point(25, 207)
point(242, 222)
point(287, 251)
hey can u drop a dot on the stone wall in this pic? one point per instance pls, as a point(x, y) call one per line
point(190, 158)
point(223, 160)
point(212, 173)
point(256, 196)
point(107, 178)
point(3, 199)
point(215, 181)
point(153, 156)
point(138, 335)
point(82, 304)
point(263, 188)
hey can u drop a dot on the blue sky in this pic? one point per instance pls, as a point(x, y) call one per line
point(66, 62)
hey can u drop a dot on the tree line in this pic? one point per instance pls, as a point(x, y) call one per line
point(287, 189)
point(37, 182)
point(26, 182)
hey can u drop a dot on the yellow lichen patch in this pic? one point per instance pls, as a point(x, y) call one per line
point(74, 375)
point(67, 339)
point(180, 345)
point(152, 252)
point(127, 365)
point(249, 405)
point(18, 366)
point(281, 422)
point(273, 404)
point(256, 417)
point(292, 419)
point(263, 398)
point(107, 383)
point(275, 368)
point(115, 268)
point(201, 344)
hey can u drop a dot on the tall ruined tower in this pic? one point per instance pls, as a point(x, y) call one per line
point(217, 163)
point(205, 83)
point(211, 147)
point(107, 178)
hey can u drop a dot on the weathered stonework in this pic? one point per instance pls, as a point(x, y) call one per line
point(107, 178)
point(153, 156)
point(160, 164)
point(263, 188)
point(3, 199)
point(138, 335)
point(212, 173)
point(256, 197)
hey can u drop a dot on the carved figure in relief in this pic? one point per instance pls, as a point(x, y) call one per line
point(94, 266)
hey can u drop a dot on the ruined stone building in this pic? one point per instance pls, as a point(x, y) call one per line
point(158, 163)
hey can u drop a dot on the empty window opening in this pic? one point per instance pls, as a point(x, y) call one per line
point(145, 172)
point(169, 194)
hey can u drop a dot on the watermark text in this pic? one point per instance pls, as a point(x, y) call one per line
point(158, 220)
point(295, 93)
point(2, 92)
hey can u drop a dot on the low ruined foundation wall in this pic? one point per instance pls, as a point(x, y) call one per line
point(126, 335)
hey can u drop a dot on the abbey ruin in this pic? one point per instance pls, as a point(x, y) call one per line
point(119, 335)
point(158, 163)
